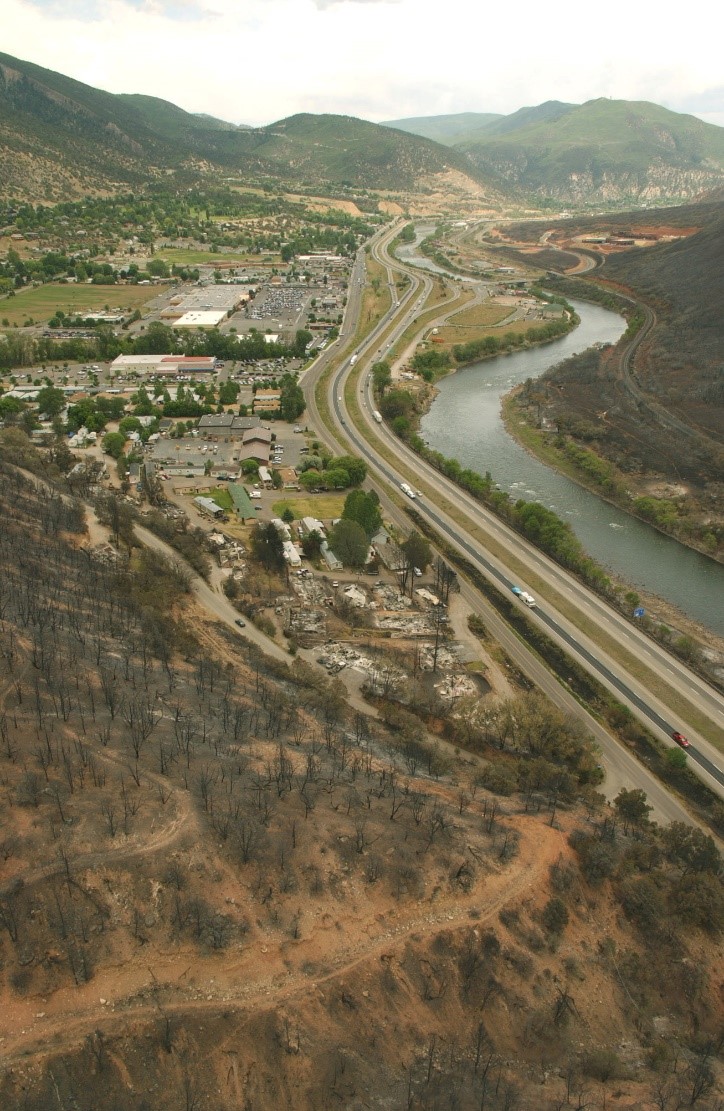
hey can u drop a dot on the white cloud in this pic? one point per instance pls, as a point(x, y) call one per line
point(322, 4)
point(255, 61)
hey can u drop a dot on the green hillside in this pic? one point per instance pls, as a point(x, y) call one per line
point(342, 150)
point(603, 150)
point(548, 112)
point(170, 122)
point(445, 129)
point(60, 138)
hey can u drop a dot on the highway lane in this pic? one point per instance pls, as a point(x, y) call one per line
point(589, 654)
point(643, 648)
point(502, 579)
point(687, 682)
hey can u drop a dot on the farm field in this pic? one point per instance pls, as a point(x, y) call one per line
point(44, 301)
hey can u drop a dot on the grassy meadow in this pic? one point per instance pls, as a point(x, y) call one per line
point(44, 301)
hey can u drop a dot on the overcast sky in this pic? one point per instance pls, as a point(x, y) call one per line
point(256, 61)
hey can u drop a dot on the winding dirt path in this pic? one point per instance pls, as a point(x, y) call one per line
point(64, 1025)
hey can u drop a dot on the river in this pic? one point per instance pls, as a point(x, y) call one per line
point(465, 423)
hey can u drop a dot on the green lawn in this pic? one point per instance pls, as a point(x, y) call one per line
point(322, 506)
point(222, 497)
point(44, 301)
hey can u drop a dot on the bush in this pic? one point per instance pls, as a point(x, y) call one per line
point(555, 915)
point(264, 624)
point(500, 778)
point(602, 1064)
point(643, 902)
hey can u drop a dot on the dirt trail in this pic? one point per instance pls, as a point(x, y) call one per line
point(62, 1027)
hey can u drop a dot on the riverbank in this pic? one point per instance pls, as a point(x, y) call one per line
point(660, 610)
point(540, 444)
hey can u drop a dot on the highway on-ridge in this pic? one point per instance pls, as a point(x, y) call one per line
point(590, 655)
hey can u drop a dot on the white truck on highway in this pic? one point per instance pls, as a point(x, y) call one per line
point(353, 360)
point(377, 415)
point(524, 596)
point(407, 489)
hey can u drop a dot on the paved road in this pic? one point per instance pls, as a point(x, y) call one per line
point(588, 652)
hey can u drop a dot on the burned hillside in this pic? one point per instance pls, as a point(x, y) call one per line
point(220, 887)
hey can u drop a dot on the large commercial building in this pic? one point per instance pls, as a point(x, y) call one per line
point(165, 365)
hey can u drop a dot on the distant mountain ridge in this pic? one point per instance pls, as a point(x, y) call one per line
point(445, 129)
point(60, 137)
point(597, 152)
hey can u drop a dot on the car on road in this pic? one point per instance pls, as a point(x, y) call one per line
point(680, 739)
point(240, 623)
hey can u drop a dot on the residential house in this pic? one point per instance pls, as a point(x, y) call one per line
point(208, 507)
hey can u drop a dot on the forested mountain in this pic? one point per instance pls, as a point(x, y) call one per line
point(59, 137)
point(604, 150)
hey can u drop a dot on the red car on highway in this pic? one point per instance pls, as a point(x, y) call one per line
point(680, 739)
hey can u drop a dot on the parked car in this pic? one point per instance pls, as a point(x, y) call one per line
point(680, 739)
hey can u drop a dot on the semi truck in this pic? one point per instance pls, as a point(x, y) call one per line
point(377, 415)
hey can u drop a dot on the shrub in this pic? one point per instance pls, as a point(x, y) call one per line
point(555, 915)
point(602, 1064)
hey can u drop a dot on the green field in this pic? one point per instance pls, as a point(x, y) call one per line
point(311, 505)
point(450, 334)
point(41, 303)
point(221, 496)
point(180, 256)
point(480, 316)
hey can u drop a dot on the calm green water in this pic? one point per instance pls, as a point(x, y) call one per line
point(465, 423)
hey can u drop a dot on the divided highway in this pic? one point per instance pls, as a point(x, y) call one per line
point(478, 520)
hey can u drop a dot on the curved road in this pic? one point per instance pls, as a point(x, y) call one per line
point(587, 652)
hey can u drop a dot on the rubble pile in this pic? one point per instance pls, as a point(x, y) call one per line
point(455, 686)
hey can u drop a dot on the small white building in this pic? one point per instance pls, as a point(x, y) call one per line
point(311, 524)
point(332, 561)
point(208, 507)
point(357, 597)
point(291, 554)
point(282, 528)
